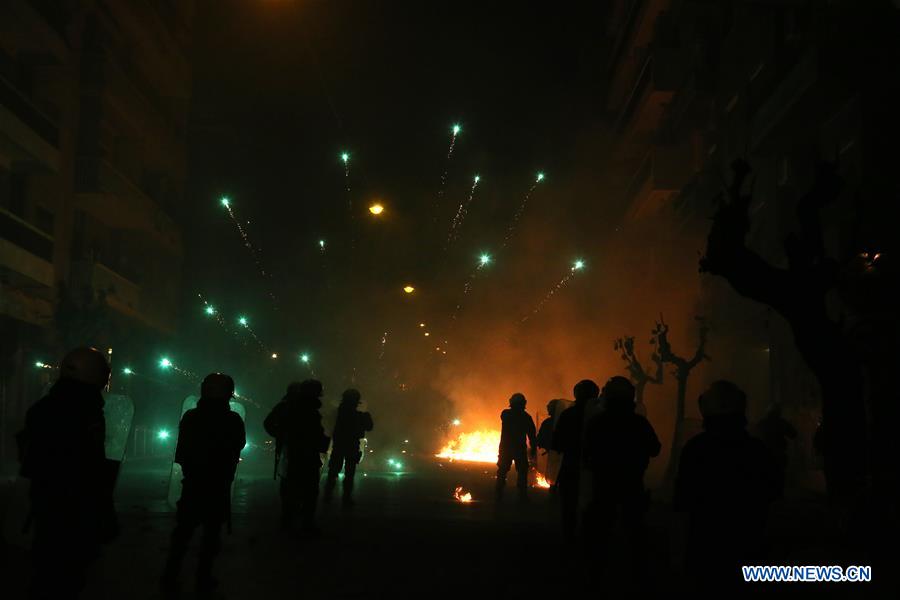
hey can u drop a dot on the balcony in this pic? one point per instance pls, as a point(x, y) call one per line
point(26, 133)
point(663, 172)
point(114, 199)
point(25, 250)
point(120, 293)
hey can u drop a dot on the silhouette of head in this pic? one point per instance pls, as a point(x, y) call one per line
point(217, 386)
point(85, 365)
point(351, 397)
point(618, 391)
point(517, 401)
point(723, 401)
point(308, 388)
point(586, 390)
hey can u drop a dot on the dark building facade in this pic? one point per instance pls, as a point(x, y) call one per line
point(93, 110)
point(693, 85)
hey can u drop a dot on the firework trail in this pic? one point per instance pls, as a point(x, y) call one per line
point(383, 344)
point(211, 311)
point(520, 210)
point(460, 215)
point(345, 158)
point(245, 324)
point(454, 132)
point(483, 261)
point(577, 266)
point(254, 252)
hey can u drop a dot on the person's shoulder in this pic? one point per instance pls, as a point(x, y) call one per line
point(234, 417)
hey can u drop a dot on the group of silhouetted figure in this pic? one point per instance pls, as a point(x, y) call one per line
point(725, 483)
point(62, 453)
point(726, 479)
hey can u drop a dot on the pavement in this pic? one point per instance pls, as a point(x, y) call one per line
point(407, 537)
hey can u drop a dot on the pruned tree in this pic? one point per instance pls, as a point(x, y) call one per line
point(798, 293)
point(636, 372)
point(682, 371)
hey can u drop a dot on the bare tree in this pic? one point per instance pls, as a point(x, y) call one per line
point(798, 293)
point(682, 371)
point(636, 371)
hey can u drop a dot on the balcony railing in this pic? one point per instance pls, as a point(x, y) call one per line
point(25, 236)
point(28, 113)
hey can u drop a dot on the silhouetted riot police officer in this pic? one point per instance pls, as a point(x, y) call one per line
point(210, 439)
point(351, 426)
point(62, 453)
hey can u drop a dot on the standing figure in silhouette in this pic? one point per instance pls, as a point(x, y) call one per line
point(726, 482)
point(776, 432)
point(210, 439)
point(351, 426)
point(568, 439)
point(517, 433)
point(296, 425)
point(62, 453)
point(618, 447)
point(545, 440)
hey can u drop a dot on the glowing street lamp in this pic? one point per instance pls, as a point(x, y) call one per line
point(409, 289)
point(274, 355)
point(376, 208)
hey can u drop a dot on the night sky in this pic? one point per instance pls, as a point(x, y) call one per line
point(281, 88)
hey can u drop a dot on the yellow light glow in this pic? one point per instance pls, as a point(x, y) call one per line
point(376, 209)
point(409, 289)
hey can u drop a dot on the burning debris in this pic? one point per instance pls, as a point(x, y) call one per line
point(541, 482)
point(462, 495)
point(477, 446)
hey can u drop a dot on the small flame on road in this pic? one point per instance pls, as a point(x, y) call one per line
point(541, 482)
point(462, 495)
point(476, 446)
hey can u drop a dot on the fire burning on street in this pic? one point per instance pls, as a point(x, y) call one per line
point(541, 482)
point(462, 495)
point(476, 446)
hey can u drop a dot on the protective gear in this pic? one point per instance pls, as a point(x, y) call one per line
point(351, 396)
point(217, 386)
point(350, 427)
point(723, 398)
point(586, 390)
point(517, 400)
point(617, 388)
point(86, 365)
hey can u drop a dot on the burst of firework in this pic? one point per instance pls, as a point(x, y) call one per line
point(166, 363)
point(461, 213)
point(211, 311)
point(517, 216)
point(578, 265)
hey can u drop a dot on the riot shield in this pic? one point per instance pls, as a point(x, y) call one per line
point(175, 475)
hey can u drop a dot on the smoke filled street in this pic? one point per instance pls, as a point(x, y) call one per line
point(463, 299)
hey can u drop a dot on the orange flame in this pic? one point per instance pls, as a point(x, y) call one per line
point(462, 496)
point(477, 446)
point(541, 482)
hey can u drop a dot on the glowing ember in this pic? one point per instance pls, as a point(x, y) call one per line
point(541, 482)
point(477, 446)
point(462, 495)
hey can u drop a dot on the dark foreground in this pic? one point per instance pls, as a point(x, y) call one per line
point(409, 538)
